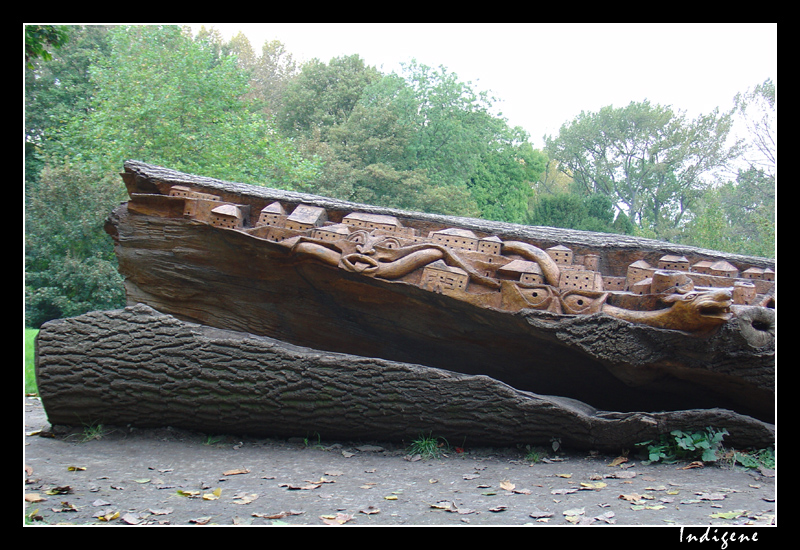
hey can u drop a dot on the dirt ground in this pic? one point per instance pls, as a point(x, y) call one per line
point(171, 477)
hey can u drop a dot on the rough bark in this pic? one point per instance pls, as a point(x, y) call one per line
point(143, 368)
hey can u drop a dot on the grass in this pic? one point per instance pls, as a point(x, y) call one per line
point(30, 375)
point(428, 446)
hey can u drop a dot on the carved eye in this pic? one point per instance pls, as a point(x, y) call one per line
point(538, 296)
point(358, 237)
point(390, 242)
point(583, 303)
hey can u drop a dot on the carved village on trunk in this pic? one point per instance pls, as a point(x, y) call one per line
point(592, 322)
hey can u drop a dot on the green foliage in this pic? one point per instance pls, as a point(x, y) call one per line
point(738, 216)
point(31, 387)
point(588, 213)
point(647, 158)
point(70, 266)
point(324, 94)
point(38, 40)
point(165, 98)
point(758, 458)
point(59, 90)
point(679, 446)
point(428, 446)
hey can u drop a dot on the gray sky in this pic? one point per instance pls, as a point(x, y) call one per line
point(545, 74)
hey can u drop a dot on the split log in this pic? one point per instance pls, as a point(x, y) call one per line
point(240, 280)
point(143, 368)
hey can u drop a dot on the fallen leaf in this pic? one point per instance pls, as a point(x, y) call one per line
point(64, 490)
point(619, 460)
point(189, 494)
point(595, 485)
point(200, 521)
point(695, 464)
point(540, 514)
point(498, 508)
point(710, 496)
point(108, 516)
point(236, 472)
point(390, 497)
point(34, 497)
point(729, 515)
point(608, 517)
point(244, 498)
point(76, 468)
point(157, 512)
point(338, 519)
point(279, 515)
point(65, 507)
point(214, 495)
point(369, 510)
point(507, 485)
point(564, 475)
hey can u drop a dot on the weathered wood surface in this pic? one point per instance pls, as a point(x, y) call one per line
point(227, 279)
point(142, 368)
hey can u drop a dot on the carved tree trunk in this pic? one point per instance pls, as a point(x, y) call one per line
point(142, 368)
point(211, 338)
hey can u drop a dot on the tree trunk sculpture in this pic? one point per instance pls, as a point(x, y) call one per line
point(514, 313)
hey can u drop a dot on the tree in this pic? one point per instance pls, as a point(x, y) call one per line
point(737, 216)
point(503, 182)
point(758, 108)
point(323, 95)
point(70, 266)
point(572, 211)
point(165, 98)
point(59, 90)
point(648, 159)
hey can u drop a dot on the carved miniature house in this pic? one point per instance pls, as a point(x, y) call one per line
point(183, 191)
point(522, 271)
point(455, 238)
point(440, 277)
point(668, 281)
point(331, 233)
point(723, 269)
point(560, 254)
point(580, 279)
point(306, 217)
point(227, 215)
point(641, 287)
point(670, 261)
point(490, 245)
point(744, 293)
point(273, 215)
point(638, 271)
point(361, 220)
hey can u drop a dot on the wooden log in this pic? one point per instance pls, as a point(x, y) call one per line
point(146, 369)
point(313, 295)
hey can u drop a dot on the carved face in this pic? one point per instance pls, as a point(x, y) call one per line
point(363, 252)
point(713, 305)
